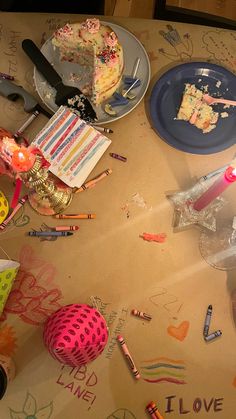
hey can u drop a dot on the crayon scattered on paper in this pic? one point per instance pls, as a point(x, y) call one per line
point(130, 361)
point(153, 411)
point(91, 183)
point(75, 216)
point(141, 314)
point(213, 336)
point(118, 157)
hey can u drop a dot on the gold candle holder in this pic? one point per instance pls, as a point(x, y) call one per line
point(48, 195)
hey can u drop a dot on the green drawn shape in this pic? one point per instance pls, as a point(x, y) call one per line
point(30, 410)
point(172, 374)
point(122, 413)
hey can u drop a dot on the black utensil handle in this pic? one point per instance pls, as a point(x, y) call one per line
point(41, 63)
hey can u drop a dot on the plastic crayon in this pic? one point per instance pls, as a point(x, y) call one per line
point(130, 361)
point(75, 216)
point(207, 320)
point(118, 157)
point(141, 314)
point(213, 336)
point(153, 411)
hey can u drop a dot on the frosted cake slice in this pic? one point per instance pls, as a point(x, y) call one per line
point(195, 111)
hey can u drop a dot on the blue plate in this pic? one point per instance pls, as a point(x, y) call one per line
point(166, 98)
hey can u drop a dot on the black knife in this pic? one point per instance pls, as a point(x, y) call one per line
point(12, 92)
point(63, 92)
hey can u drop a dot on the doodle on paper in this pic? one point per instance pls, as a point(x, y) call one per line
point(182, 47)
point(34, 296)
point(221, 48)
point(163, 369)
point(121, 414)
point(179, 332)
point(30, 410)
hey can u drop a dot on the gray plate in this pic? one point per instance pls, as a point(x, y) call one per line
point(133, 49)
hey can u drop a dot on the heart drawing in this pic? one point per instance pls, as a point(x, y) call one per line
point(179, 332)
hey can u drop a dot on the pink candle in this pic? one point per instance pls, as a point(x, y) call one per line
point(228, 177)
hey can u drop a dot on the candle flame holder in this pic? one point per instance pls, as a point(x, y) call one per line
point(48, 195)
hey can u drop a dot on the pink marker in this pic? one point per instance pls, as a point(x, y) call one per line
point(228, 177)
point(141, 314)
point(130, 361)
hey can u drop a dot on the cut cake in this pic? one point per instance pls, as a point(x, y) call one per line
point(195, 111)
point(95, 47)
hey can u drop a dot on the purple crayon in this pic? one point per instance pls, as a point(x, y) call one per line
point(118, 157)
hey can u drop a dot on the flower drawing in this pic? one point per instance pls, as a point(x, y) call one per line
point(31, 411)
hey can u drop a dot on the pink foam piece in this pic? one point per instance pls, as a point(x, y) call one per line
point(75, 334)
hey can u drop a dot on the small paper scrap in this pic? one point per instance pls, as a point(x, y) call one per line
point(159, 238)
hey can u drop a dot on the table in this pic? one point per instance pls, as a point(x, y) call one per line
point(107, 260)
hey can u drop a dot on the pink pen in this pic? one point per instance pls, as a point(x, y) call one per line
point(228, 177)
point(130, 361)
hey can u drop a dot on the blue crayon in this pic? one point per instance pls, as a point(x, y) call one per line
point(49, 233)
point(207, 320)
point(213, 335)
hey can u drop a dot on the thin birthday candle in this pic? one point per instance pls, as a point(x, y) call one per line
point(226, 179)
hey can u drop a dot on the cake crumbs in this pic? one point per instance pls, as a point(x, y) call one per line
point(224, 114)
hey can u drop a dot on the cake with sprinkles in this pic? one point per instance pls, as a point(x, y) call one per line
point(96, 48)
point(194, 110)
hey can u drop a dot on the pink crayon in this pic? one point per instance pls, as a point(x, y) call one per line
point(130, 361)
point(17, 207)
point(66, 228)
point(141, 314)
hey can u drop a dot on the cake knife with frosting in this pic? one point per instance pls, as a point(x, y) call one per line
point(65, 95)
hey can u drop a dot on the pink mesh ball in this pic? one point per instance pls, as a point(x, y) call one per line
point(75, 334)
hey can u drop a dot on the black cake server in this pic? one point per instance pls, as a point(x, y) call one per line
point(81, 104)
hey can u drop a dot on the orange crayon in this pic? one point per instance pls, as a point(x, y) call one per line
point(66, 228)
point(91, 183)
point(153, 411)
point(141, 314)
point(75, 216)
point(130, 361)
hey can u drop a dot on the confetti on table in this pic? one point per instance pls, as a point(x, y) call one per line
point(159, 238)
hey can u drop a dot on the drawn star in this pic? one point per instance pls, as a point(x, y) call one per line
point(184, 214)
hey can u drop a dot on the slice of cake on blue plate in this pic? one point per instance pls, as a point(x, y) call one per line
point(194, 110)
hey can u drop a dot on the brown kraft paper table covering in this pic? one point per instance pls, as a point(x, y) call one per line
point(108, 260)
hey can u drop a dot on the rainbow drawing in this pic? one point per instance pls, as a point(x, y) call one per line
point(163, 369)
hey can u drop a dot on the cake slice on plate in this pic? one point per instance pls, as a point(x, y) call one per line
point(195, 111)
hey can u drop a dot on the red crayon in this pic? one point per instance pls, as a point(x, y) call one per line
point(153, 411)
point(141, 314)
point(130, 361)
